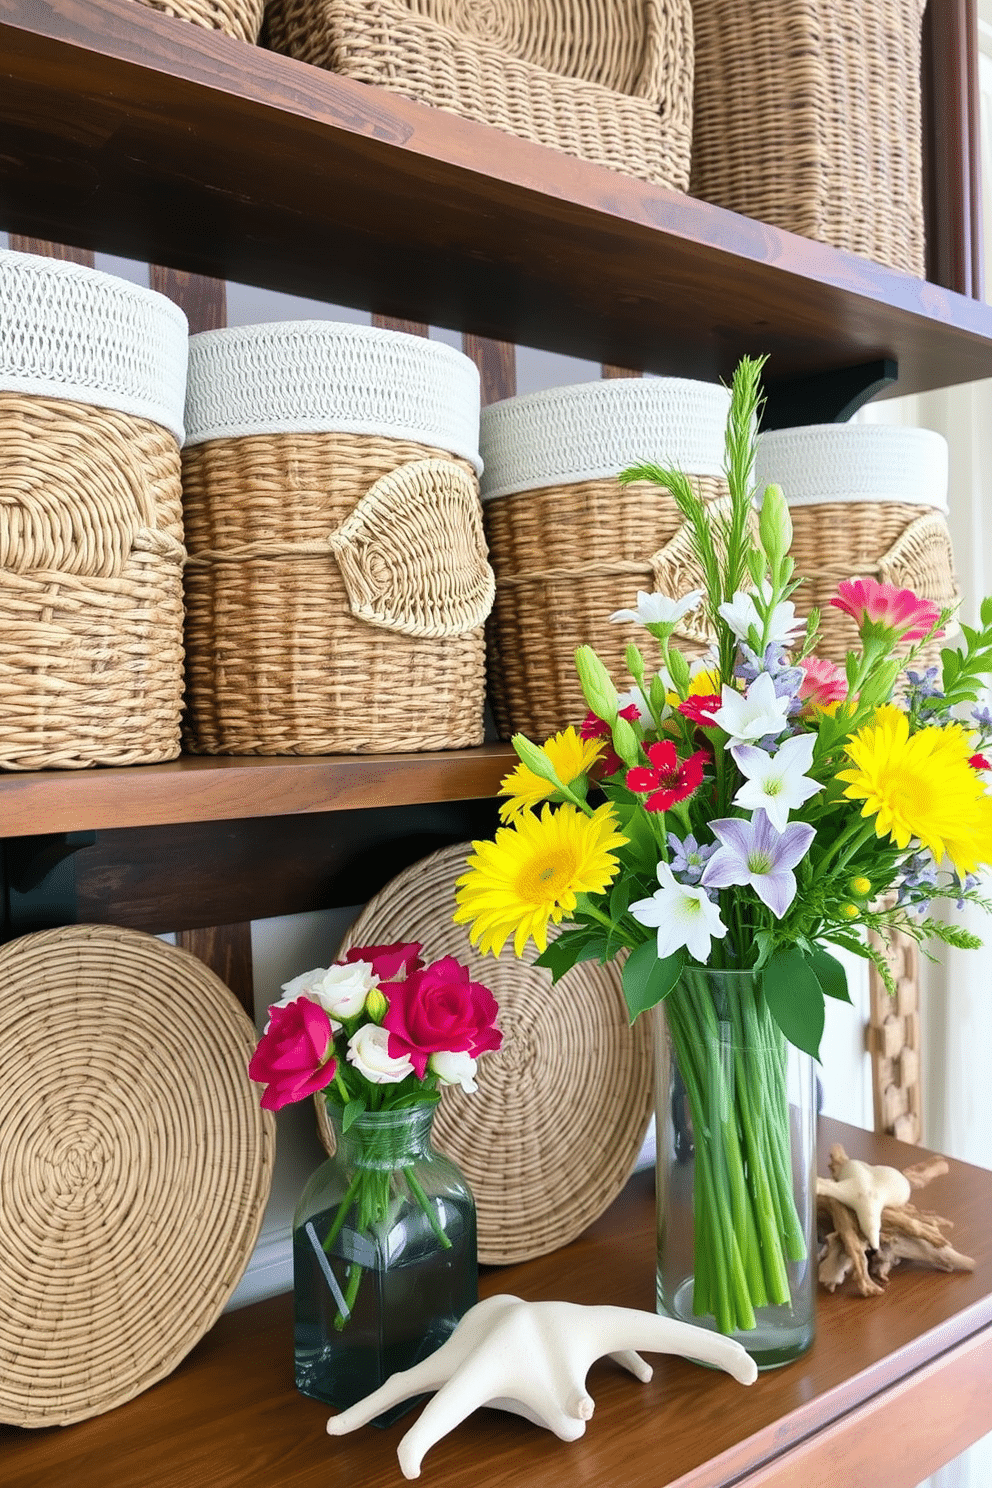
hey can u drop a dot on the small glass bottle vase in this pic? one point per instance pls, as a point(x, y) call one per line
point(736, 1167)
point(385, 1258)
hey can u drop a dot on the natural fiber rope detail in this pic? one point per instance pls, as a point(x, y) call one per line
point(412, 553)
point(605, 80)
point(135, 1165)
point(807, 115)
point(240, 18)
point(553, 1132)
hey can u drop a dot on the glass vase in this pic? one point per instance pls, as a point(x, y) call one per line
point(385, 1257)
point(736, 1167)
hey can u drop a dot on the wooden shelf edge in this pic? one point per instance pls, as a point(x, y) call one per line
point(193, 789)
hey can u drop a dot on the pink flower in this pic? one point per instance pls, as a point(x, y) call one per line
point(823, 683)
point(887, 610)
point(294, 1056)
point(594, 727)
point(388, 962)
point(979, 762)
point(668, 778)
point(439, 1010)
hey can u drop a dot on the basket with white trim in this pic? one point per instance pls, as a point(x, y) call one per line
point(570, 545)
point(337, 584)
point(867, 501)
point(92, 384)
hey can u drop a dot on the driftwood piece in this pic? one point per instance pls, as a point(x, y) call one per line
point(899, 1231)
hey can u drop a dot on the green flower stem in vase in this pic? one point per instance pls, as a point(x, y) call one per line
point(736, 1167)
point(384, 1255)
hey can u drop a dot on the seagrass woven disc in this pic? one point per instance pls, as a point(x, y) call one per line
point(553, 1132)
point(135, 1164)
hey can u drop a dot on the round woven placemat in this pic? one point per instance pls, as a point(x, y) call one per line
point(134, 1166)
point(553, 1132)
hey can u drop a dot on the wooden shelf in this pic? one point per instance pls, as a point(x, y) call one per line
point(129, 131)
point(228, 789)
point(893, 1387)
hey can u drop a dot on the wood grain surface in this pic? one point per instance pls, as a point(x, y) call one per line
point(891, 1387)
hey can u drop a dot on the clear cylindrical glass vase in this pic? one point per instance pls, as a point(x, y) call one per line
point(736, 1167)
point(385, 1258)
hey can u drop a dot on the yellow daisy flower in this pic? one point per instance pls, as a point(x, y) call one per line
point(530, 875)
point(921, 785)
point(570, 756)
point(705, 683)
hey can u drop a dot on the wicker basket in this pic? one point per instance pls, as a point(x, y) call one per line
point(867, 500)
point(570, 545)
point(807, 116)
point(606, 80)
point(337, 585)
point(92, 381)
point(239, 18)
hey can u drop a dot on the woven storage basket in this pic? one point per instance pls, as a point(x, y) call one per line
point(807, 116)
point(553, 1132)
point(606, 80)
point(867, 500)
point(337, 585)
point(569, 544)
point(135, 1164)
point(239, 18)
point(92, 383)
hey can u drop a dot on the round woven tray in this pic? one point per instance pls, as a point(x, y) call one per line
point(135, 1164)
point(553, 1132)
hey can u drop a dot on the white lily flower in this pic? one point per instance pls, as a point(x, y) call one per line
point(754, 714)
point(684, 915)
point(658, 609)
point(741, 613)
point(776, 783)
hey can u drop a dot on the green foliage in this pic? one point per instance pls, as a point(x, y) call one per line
point(648, 980)
point(356, 1107)
point(963, 670)
point(795, 998)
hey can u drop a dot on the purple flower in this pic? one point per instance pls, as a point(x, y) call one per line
point(924, 684)
point(689, 858)
point(983, 717)
point(753, 852)
point(919, 876)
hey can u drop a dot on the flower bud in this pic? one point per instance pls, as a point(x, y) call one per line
point(850, 911)
point(678, 670)
point(534, 757)
point(860, 887)
point(625, 742)
point(597, 686)
point(376, 1005)
point(775, 525)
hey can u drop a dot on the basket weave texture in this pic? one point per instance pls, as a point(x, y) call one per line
point(807, 116)
point(238, 18)
point(337, 585)
point(92, 382)
point(135, 1166)
point(605, 80)
point(569, 545)
point(553, 1132)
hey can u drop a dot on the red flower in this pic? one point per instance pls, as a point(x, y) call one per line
point(669, 779)
point(979, 762)
point(440, 1011)
point(389, 961)
point(699, 709)
point(883, 607)
point(294, 1055)
point(594, 727)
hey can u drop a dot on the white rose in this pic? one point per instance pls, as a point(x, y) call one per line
point(306, 985)
point(368, 1051)
point(342, 990)
point(455, 1069)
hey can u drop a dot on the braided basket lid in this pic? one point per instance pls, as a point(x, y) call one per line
point(826, 463)
point(134, 1166)
point(553, 1132)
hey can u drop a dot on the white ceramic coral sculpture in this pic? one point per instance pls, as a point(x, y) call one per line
point(532, 1358)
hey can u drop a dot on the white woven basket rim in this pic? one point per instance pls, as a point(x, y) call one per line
point(853, 463)
point(79, 334)
point(325, 376)
point(593, 430)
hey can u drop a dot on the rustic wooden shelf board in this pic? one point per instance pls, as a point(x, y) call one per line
point(892, 1388)
point(194, 789)
point(133, 132)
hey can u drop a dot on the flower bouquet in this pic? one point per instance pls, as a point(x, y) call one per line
point(717, 827)
point(384, 1237)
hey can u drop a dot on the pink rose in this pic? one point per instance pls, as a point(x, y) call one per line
point(439, 1010)
point(389, 962)
point(294, 1056)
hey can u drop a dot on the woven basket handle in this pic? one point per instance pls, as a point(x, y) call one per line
point(412, 553)
point(922, 559)
point(677, 570)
